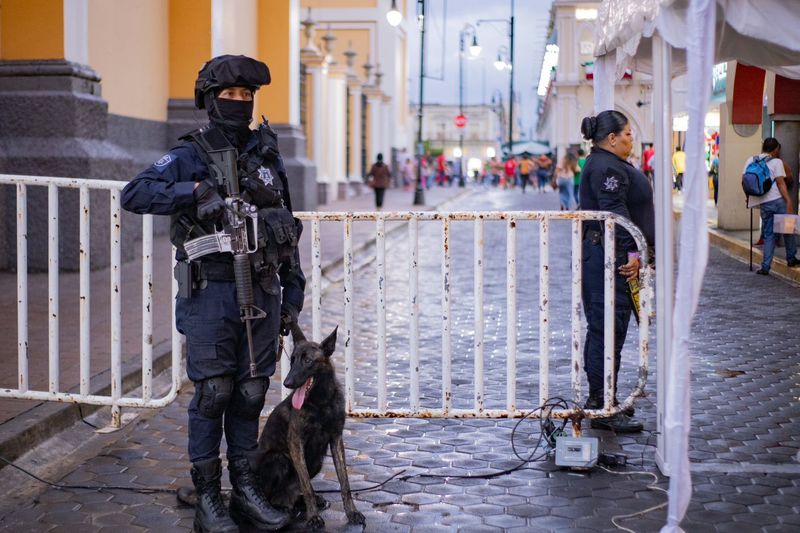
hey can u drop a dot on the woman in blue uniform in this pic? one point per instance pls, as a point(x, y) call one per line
point(610, 183)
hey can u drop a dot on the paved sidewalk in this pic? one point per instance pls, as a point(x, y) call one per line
point(24, 423)
point(737, 243)
point(743, 445)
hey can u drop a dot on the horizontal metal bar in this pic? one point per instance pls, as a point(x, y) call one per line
point(486, 413)
point(91, 399)
point(68, 183)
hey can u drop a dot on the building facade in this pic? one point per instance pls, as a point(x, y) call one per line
point(566, 89)
point(480, 139)
point(100, 89)
point(355, 89)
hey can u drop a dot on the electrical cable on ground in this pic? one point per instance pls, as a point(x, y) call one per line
point(651, 486)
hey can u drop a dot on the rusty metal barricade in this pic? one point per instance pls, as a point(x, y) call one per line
point(512, 409)
point(54, 393)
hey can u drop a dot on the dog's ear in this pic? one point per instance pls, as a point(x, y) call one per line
point(297, 333)
point(329, 344)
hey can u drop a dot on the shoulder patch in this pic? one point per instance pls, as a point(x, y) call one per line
point(610, 183)
point(165, 160)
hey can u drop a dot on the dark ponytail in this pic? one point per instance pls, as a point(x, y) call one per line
point(597, 128)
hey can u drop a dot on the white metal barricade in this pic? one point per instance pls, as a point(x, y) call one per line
point(608, 220)
point(54, 393)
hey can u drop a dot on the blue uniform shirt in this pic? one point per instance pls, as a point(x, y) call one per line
point(610, 184)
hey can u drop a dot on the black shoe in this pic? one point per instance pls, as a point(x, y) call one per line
point(618, 423)
point(248, 503)
point(762, 272)
point(210, 515)
point(791, 263)
point(594, 402)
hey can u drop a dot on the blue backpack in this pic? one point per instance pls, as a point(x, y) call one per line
point(756, 180)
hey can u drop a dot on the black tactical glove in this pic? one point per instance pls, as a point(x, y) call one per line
point(210, 204)
point(288, 317)
point(261, 195)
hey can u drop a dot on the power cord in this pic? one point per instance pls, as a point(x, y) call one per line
point(651, 486)
point(548, 432)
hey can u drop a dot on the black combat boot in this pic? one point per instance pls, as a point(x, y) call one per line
point(209, 513)
point(248, 503)
point(619, 423)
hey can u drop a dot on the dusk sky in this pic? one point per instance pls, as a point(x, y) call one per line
point(481, 79)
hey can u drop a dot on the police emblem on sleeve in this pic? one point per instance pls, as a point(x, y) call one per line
point(265, 175)
point(165, 160)
point(611, 184)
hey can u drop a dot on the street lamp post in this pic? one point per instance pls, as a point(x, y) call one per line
point(510, 23)
point(474, 50)
point(419, 193)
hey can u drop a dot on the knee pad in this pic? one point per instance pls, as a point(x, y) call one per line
point(212, 395)
point(249, 396)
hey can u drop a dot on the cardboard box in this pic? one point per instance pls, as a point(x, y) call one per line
point(787, 224)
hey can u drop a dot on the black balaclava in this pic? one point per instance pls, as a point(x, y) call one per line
point(231, 116)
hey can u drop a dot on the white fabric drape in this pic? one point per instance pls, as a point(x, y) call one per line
point(604, 80)
point(692, 260)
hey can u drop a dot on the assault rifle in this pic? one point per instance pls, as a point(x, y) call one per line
point(239, 236)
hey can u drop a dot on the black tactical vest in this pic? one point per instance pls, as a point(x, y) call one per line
point(278, 230)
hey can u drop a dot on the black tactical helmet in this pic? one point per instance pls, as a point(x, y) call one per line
point(229, 71)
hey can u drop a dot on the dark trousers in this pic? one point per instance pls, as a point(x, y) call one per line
point(379, 191)
point(216, 344)
point(593, 308)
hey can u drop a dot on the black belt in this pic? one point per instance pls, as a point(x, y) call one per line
point(213, 271)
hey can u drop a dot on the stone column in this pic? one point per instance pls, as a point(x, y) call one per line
point(279, 45)
point(316, 81)
point(355, 179)
point(54, 122)
point(336, 118)
point(374, 120)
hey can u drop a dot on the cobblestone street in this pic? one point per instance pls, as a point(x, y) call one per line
point(744, 444)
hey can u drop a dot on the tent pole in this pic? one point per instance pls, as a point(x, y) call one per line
point(665, 260)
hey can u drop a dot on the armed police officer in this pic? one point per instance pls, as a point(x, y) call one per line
point(610, 183)
point(226, 191)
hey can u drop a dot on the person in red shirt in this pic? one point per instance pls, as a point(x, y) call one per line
point(647, 162)
point(510, 171)
point(441, 167)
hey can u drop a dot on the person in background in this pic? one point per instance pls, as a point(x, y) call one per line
point(509, 171)
point(679, 167)
point(526, 166)
point(647, 162)
point(775, 202)
point(543, 172)
point(565, 177)
point(409, 174)
point(380, 179)
point(714, 173)
point(610, 183)
point(577, 180)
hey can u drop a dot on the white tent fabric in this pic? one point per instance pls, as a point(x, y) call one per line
point(692, 260)
point(756, 32)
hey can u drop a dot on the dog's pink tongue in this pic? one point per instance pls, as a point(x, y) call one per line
point(299, 395)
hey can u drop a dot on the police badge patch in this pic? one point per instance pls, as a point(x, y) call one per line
point(165, 160)
point(265, 175)
point(610, 184)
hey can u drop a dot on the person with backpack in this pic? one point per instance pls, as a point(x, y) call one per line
point(764, 183)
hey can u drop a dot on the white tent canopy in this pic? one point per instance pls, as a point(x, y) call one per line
point(754, 32)
point(666, 38)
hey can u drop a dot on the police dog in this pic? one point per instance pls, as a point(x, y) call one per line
point(300, 429)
